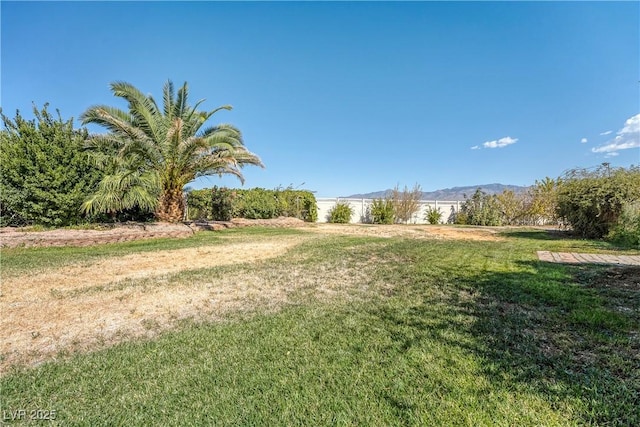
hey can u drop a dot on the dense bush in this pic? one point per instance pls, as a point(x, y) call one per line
point(261, 203)
point(626, 231)
point(592, 201)
point(433, 215)
point(256, 203)
point(45, 175)
point(340, 213)
point(222, 203)
point(199, 204)
point(297, 204)
point(480, 209)
point(381, 211)
point(253, 203)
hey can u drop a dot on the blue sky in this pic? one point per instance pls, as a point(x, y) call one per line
point(351, 97)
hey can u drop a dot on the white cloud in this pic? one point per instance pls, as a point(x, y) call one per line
point(475, 147)
point(627, 137)
point(584, 140)
point(502, 142)
point(606, 132)
point(612, 154)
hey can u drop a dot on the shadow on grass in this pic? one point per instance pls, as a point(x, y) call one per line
point(539, 234)
point(566, 333)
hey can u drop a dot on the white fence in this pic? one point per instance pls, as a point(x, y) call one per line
point(361, 209)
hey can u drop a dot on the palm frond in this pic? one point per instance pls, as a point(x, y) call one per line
point(123, 190)
point(167, 96)
point(181, 101)
point(115, 120)
point(196, 119)
point(142, 107)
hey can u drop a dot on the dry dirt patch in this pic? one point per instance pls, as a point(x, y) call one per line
point(416, 231)
point(77, 306)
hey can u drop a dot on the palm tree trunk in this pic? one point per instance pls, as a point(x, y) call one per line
point(170, 206)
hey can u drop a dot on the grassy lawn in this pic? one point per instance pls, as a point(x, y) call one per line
point(376, 332)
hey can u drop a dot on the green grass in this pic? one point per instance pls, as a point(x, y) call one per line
point(441, 333)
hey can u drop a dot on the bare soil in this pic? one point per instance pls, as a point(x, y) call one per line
point(412, 231)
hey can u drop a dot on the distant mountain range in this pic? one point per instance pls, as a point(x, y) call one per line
point(455, 193)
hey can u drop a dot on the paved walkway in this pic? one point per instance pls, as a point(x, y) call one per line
point(576, 258)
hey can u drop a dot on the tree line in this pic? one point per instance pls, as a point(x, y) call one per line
point(54, 174)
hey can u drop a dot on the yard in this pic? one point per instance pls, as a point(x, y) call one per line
point(321, 324)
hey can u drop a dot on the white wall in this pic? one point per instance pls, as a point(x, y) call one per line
point(360, 208)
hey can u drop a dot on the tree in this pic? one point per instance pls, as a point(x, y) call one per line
point(544, 200)
point(150, 154)
point(45, 173)
point(405, 203)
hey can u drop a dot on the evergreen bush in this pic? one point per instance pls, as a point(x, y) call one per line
point(341, 213)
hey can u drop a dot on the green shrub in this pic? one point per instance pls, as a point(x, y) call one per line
point(480, 209)
point(382, 212)
point(459, 218)
point(626, 232)
point(255, 203)
point(45, 174)
point(591, 201)
point(341, 213)
point(433, 215)
point(297, 204)
point(222, 204)
point(199, 204)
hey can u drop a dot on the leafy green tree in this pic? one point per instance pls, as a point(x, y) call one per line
point(510, 206)
point(543, 197)
point(158, 151)
point(45, 174)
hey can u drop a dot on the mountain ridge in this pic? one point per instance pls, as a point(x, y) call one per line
point(453, 193)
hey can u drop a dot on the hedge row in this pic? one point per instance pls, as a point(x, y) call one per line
point(222, 204)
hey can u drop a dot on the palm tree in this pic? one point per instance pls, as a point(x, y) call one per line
point(149, 154)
